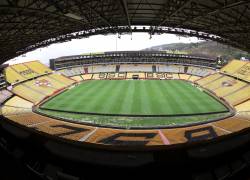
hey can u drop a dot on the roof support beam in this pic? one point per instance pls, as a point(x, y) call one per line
point(176, 11)
point(56, 5)
point(228, 6)
point(125, 9)
point(186, 3)
point(98, 14)
point(26, 24)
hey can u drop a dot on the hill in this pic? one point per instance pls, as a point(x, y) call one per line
point(204, 48)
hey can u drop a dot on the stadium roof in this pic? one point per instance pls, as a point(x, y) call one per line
point(29, 24)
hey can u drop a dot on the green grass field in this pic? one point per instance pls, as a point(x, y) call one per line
point(141, 97)
point(148, 97)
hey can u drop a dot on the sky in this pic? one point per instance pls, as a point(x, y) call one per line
point(100, 43)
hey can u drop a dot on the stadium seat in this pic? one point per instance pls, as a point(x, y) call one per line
point(136, 68)
point(41, 87)
point(194, 78)
point(199, 71)
point(13, 76)
point(238, 96)
point(24, 71)
point(239, 69)
point(16, 105)
point(4, 95)
point(208, 79)
point(184, 76)
point(245, 106)
point(38, 67)
point(228, 87)
point(20, 72)
point(233, 66)
point(77, 78)
point(87, 76)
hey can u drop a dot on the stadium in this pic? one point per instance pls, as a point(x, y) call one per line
point(126, 111)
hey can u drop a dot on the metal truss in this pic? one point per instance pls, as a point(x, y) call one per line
point(29, 24)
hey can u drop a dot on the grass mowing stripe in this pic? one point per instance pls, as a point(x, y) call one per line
point(166, 98)
point(135, 104)
point(146, 99)
point(62, 100)
point(128, 101)
point(189, 103)
point(135, 97)
point(100, 98)
point(175, 100)
point(115, 97)
point(84, 100)
point(157, 99)
point(122, 98)
point(201, 100)
point(208, 102)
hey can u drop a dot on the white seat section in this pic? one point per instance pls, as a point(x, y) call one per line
point(199, 71)
point(4, 95)
point(101, 68)
point(136, 68)
point(72, 71)
point(170, 68)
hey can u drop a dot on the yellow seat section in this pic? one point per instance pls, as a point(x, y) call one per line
point(229, 87)
point(141, 75)
point(208, 79)
point(41, 85)
point(99, 76)
point(111, 75)
point(18, 102)
point(27, 93)
point(38, 67)
point(175, 76)
point(217, 83)
point(37, 89)
point(114, 75)
point(238, 96)
point(243, 106)
point(9, 110)
point(185, 76)
point(243, 72)
point(12, 76)
point(233, 66)
point(121, 75)
point(21, 72)
point(61, 79)
point(77, 78)
point(194, 78)
point(52, 83)
point(87, 76)
point(16, 105)
point(24, 71)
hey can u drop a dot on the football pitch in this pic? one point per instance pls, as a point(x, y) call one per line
point(133, 98)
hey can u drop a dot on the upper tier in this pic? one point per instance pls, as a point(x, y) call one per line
point(24, 71)
point(238, 69)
